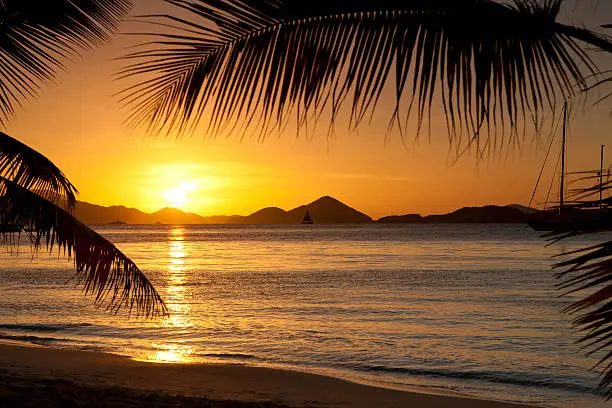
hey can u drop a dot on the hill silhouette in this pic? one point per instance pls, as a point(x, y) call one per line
point(268, 215)
point(523, 208)
point(488, 214)
point(98, 215)
point(328, 210)
point(325, 210)
point(401, 219)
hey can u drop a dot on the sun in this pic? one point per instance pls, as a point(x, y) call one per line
point(178, 196)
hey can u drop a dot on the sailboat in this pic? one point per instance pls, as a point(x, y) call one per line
point(591, 215)
point(118, 222)
point(307, 219)
point(558, 219)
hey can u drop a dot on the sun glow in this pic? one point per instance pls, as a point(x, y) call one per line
point(178, 196)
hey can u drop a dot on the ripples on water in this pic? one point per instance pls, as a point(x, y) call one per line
point(465, 308)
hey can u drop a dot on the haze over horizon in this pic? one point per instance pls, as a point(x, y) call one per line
point(78, 125)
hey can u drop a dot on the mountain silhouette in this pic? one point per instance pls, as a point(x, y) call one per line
point(268, 215)
point(98, 215)
point(488, 214)
point(401, 219)
point(169, 215)
point(325, 210)
point(523, 208)
point(328, 210)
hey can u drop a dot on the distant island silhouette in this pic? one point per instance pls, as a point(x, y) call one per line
point(325, 210)
point(486, 214)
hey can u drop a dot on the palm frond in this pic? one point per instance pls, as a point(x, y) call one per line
point(37, 35)
point(256, 63)
point(103, 270)
point(588, 271)
point(603, 83)
point(31, 170)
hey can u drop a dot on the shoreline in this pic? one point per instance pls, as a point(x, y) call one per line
point(121, 379)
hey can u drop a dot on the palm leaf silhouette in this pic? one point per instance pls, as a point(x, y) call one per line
point(31, 170)
point(36, 37)
point(255, 62)
point(588, 272)
point(104, 271)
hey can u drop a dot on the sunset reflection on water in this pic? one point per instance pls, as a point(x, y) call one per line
point(177, 300)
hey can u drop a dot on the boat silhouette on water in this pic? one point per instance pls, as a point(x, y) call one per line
point(307, 219)
point(595, 215)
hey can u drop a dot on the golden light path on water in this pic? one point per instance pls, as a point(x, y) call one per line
point(177, 302)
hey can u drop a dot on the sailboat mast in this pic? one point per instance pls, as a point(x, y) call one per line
point(601, 177)
point(562, 186)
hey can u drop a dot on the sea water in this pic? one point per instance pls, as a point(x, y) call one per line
point(466, 308)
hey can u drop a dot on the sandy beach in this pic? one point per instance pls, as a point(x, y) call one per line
point(39, 376)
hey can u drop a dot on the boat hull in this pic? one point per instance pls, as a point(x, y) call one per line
point(576, 220)
point(551, 225)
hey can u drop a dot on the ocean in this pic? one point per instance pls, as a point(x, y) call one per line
point(469, 309)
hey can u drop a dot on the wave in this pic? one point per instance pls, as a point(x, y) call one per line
point(34, 339)
point(529, 380)
point(43, 327)
point(238, 356)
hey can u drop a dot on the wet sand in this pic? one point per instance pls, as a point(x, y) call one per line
point(47, 377)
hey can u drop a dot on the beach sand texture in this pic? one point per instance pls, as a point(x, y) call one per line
point(46, 377)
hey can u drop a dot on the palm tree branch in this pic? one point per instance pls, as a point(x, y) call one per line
point(102, 269)
point(589, 272)
point(601, 42)
point(38, 35)
point(31, 170)
point(240, 60)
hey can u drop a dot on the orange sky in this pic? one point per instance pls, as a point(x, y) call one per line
point(78, 124)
